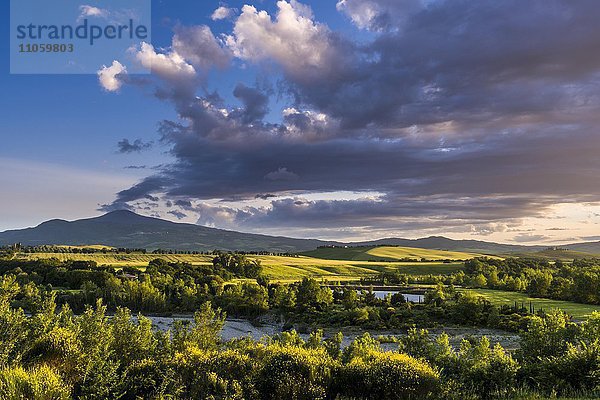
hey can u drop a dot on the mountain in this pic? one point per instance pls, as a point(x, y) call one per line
point(127, 229)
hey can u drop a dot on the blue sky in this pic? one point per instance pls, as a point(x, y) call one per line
point(330, 119)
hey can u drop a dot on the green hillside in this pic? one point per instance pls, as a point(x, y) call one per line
point(559, 254)
point(386, 253)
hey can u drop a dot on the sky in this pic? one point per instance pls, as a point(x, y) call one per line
point(338, 119)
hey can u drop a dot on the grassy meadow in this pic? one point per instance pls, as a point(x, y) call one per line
point(499, 297)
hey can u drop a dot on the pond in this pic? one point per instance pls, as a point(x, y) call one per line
point(413, 298)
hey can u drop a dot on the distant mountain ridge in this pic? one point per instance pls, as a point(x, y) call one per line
point(479, 246)
point(127, 229)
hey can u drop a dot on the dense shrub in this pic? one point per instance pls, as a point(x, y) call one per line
point(211, 374)
point(38, 383)
point(388, 375)
point(485, 369)
point(295, 373)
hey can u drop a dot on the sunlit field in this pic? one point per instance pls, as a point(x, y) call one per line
point(387, 253)
point(284, 268)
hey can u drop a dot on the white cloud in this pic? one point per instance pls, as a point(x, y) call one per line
point(91, 11)
point(109, 76)
point(170, 66)
point(222, 13)
point(360, 12)
point(379, 14)
point(293, 39)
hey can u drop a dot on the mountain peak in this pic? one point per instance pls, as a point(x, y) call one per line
point(55, 221)
point(120, 213)
point(122, 216)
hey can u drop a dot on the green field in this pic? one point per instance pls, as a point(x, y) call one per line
point(499, 297)
point(276, 267)
point(387, 253)
point(120, 260)
point(552, 254)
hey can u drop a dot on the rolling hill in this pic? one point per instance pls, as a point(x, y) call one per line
point(386, 253)
point(127, 229)
point(583, 249)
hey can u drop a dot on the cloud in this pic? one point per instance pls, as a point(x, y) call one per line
point(137, 146)
point(198, 45)
point(256, 104)
point(309, 125)
point(170, 66)
point(177, 214)
point(265, 196)
point(364, 214)
point(183, 203)
point(111, 77)
point(293, 39)
point(455, 121)
point(530, 237)
point(593, 238)
point(282, 174)
point(374, 85)
point(379, 14)
point(91, 11)
point(222, 13)
point(194, 50)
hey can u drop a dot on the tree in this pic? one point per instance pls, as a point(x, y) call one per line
point(479, 281)
point(204, 333)
point(284, 297)
point(349, 298)
point(311, 294)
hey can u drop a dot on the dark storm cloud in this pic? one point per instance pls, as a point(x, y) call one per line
point(467, 113)
point(387, 212)
point(256, 104)
point(380, 15)
point(137, 146)
point(461, 60)
point(265, 196)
